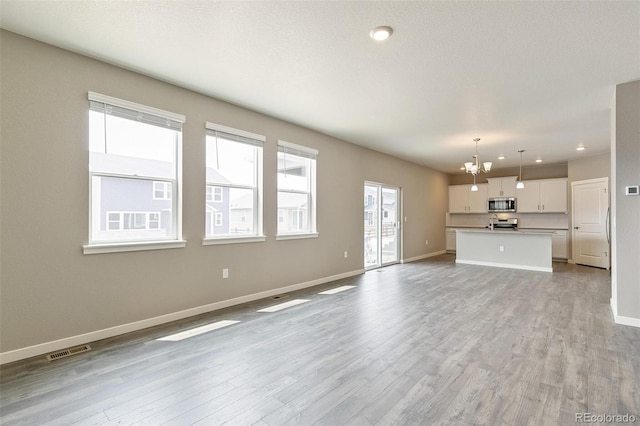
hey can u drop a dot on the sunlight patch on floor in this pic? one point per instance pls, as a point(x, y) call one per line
point(284, 305)
point(196, 331)
point(337, 289)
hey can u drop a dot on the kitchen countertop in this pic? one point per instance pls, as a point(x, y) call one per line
point(509, 231)
point(521, 228)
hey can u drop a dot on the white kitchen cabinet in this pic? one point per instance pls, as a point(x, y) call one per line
point(553, 195)
point(502, 187)
point(559, 245)
point(463, 200)
point(543, 196)
point(451, 240)
point(458, 198)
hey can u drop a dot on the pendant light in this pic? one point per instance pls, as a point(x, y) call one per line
point(474, 187)
point(520, 184)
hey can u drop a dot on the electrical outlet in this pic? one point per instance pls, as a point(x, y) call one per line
point(501, 248)
point(346, 254)
point(426, 242)
point(225, 273)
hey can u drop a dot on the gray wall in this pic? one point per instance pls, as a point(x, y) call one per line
point(50, 290)
point(591, 167)
point(625, 210)
point(546, 171)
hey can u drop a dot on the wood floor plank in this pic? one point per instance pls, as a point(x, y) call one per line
point(428, 342)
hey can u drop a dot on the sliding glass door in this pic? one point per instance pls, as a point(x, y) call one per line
point(381, 225)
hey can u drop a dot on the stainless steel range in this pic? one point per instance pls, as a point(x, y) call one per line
point(503, 224)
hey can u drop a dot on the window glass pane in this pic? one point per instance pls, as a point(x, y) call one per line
point(125, 210)
point(234, 215)
point(294, 210)
point(230, 162)
point(128, 147)
point(293, 172)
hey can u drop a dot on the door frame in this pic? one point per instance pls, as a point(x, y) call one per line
point(604, 180)
point(398, 224)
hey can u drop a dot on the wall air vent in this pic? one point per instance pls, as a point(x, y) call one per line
point(68, 352)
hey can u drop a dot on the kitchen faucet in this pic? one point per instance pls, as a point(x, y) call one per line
point(491, 223)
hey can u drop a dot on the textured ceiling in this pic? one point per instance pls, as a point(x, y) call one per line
point(537, 76)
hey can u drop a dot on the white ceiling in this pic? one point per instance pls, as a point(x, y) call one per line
point(537, 76)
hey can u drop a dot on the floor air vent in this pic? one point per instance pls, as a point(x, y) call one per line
point(68, 352)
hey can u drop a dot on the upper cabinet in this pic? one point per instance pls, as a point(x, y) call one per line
point(463, 200)
point(543, 196)
point(502, 187)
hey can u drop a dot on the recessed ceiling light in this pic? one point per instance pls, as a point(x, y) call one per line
point(462, 168)
point(381, 33)
point(538, 161)
point(580, 148)
point(501, 157)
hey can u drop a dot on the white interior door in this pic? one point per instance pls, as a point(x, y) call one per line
point(590, 207)
point(381, 225)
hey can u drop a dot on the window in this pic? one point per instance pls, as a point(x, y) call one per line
point(217, 194)
point(133, 220)
point(233, 185)
point(134, 164)
point(161, 190)
point(296, 190)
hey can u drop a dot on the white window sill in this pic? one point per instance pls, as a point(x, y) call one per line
point(296, 236)
point(233, 240)
point(137, 246)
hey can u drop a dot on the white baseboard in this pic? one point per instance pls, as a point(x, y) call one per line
point(424, 256)
point(632, 322)
point(67, 342)
point(505, 265)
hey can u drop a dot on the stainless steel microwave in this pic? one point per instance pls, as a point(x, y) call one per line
point(502, 204)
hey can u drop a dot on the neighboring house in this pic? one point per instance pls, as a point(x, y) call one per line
point(292, 213)
point(217, 204)
point(241, 214)
point(130, 208)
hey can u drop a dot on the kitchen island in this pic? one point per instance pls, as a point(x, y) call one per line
point(515, 249)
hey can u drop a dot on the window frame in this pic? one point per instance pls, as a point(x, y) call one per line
point(258, 235)
point(311, 154)
point(177, 120)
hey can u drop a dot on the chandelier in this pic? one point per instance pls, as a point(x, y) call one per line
point(474, 167)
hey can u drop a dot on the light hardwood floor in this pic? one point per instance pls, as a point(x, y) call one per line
point(428, 342)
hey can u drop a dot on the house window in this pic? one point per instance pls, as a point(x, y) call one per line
point(217, 194)
point(161, 190)
point(296, 190)
point(233, 182)
point(134, 159)
point(133, 221)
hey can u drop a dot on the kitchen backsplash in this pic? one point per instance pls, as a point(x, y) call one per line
point(525, 220)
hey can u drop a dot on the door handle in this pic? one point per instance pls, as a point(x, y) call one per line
point(576, 227)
